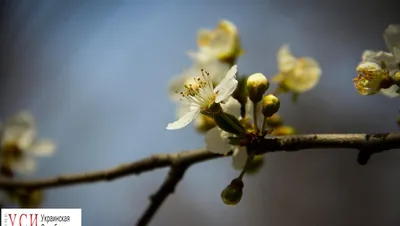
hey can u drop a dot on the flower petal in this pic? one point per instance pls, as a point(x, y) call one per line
point(42, 148)
point(20, 129)
point(391, 91)
point(286, 61)
point(216, 143)
point(226, 91)
point(239, 157)
point(231, 74)
point(232, 106)
point(227, 86)
point(378, 57)
point(392, 39)
point(305, 75)
point(184, 120)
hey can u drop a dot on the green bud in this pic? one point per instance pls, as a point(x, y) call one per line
point(256, 85)
point(270, 105)
point(232, 194)
point(275, 120)
point(229, 123)
point(397, 78)
point(283, 131)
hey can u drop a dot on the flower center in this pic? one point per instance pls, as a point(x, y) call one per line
point(199, 92)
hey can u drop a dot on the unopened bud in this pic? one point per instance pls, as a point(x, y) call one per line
point(397, 78)
point(232, 194)
point(256, 85)
point(270, 105)
point(283, 131)
point(274, 121)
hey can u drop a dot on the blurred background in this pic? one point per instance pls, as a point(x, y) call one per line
point(95, 74)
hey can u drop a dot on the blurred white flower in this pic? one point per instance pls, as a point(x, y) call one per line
point(201, 94)
point(220, 43)
point(296, 74)
point(217, 140)
point(19, 146)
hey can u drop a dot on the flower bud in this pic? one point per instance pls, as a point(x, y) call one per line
point(396, 78)
point(270, 105)
point(275, 120)
point(232, 194)
point(256, 85)
point(283, 131)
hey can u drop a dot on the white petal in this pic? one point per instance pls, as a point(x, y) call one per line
point(239, 157)
point(232, 106)
point(305, 75)
point(216, 143)
point(378, 57)
point(42, 148)
point(391, 91)
point(396, 54)
point(25, 166)
point(226, 90)
point(184, 120)
point(231, 74)
point(392, 39)
point(21, 129)
point(286, 61)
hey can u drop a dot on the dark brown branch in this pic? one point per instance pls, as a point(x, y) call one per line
point(365, 143)
point(168, 187)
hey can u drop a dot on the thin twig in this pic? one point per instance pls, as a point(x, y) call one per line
point(168, 187)
point(366, 143)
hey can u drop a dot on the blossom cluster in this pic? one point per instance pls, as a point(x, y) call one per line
point(227, 108)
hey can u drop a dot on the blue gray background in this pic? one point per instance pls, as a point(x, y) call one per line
point(95, 75)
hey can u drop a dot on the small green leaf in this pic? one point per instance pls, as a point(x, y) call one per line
point(229, 123)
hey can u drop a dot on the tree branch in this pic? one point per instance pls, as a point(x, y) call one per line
point(168, 187)
point(365, 143)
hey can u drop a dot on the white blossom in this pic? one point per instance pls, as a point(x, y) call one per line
point(222, 42)
point(19, 146)
point(391, 60)
point(201, 94)
point(297, 74)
